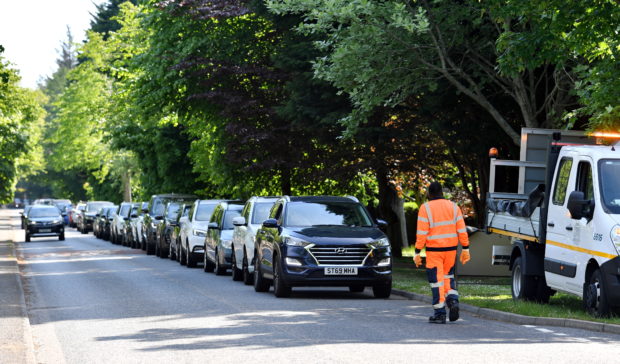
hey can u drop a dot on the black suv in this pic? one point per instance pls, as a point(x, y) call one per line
point(85, 224)
point(44, 220)
point(322, 241)
point(155, 215)
point(164, 230)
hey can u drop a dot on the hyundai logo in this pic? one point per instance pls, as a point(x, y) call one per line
point(340, 250)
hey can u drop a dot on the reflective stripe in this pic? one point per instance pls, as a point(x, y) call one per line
point(449, 276)
point(436, 284)
point(444, 223)
point(430, 215)
point(420, 218)
point(458, 218)
point(453, 291)
point(439, 305)
point(455, 208)
point(422, 232)
point(464, 230)
point(442, 236)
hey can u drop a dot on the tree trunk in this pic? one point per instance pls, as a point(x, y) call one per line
point(388, 198)
point(285, 181)
point(126, 186)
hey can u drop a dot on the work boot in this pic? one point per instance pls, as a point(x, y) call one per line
point(453, 306)
point(437, 319)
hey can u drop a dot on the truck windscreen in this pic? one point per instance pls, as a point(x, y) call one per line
point(610, 184)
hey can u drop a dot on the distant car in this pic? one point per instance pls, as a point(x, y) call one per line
point(175, 234)
point(75, 214)
point(255, 211)
point(120, 220)
point(106, 229)
point(24, 215)
point(64, 206)
point(137, 226)
point(44, 220)
point(322, 241)
point(130, 227)
point(218, 243)
point(43, 201)
point(193, 231)
point(155, 216)
point(87, 217)
point(164, 230)
point(101, 224)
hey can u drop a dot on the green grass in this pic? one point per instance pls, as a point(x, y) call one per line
point(494, 293)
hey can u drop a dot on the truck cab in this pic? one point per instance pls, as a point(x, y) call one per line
point(566, 230)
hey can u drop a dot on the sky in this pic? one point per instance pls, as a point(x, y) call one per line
point(31, 32)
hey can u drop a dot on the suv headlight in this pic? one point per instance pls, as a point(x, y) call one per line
point(381, 243)
point(198, 232)
point(227, 243)
point(291, 241)
point(615, 236)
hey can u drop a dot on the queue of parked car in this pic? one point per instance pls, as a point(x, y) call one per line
point(280, 241)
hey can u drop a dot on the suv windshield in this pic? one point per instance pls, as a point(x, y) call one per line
point(173, 210)
point(228, 217)
point(261, 212)
point(610, 188)
point(204, 211)
point(44, 212)
point(326, 213)
point(95, 206)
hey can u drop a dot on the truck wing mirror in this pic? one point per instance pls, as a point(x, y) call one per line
point(578, 206)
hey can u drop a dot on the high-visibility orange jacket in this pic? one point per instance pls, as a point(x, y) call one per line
point(441, 226)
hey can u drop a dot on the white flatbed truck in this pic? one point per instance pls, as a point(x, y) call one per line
point(564, 219)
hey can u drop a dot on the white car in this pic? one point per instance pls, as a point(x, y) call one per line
point(193, 232)
point(136, 220)
point(121, 218)
point(255, 211)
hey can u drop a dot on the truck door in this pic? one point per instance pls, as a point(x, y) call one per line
point(560, 227)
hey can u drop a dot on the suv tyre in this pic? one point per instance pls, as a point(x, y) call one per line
point(219, 269)
point(280, 288)
point(237, 274)
point(260, 283)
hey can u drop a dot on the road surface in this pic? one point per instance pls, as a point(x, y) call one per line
point(89, 301)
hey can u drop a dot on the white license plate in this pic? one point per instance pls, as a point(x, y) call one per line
point(45, 230)
point(341, 271)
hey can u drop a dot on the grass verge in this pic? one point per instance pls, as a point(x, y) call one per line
point(494, 293)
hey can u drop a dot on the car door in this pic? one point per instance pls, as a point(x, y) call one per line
point(213, 234)
point(559, 225)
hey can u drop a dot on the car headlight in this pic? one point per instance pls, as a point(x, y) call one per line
point(291, 241)
point(381, 243)
point(198, 232)
point(615, 236)
point(227, 243)
point(56, 221)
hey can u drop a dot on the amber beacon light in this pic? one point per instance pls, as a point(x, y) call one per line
point(493, 153)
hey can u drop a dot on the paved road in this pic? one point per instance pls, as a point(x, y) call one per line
point(93, 302)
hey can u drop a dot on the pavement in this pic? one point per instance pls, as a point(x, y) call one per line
point(87, 300)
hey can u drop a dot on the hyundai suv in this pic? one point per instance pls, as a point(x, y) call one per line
point(322, 241)
point(193, 232)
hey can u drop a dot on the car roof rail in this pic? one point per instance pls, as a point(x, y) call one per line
point(352, 198)
point(286, 198)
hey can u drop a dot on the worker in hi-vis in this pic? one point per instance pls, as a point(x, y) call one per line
point(440, 229)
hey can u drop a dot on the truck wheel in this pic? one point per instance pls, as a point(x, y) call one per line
point(27, 237)
point(260, 283)
point(523, 287)
point(595, 297)
point(208, 265)
point(280, 288)
point(543, 292)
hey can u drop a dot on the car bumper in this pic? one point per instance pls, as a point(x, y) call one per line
point(46, 230)
point(315, 276)
point(196, 243)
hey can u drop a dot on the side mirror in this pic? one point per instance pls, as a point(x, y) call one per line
point(174, 223)
point(382, 224)
point(146, 211)
point(213, 225)
point(159, 217)
point(578, 206)
point(270, 223)
point(126, 218)
point(238, 221)
point(133, 216)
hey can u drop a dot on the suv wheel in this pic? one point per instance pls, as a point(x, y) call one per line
point(61, 236)
point(208, 265)
point(183, 256)
point(172, 252)
point(280, 288)
point(382, 290)
point(219, 268)
point(149, 247)
point(237, 274)
point(260, 283)
point(190, 258)
point(247, 276)
point(27, 237)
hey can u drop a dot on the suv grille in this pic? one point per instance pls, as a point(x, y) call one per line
point(339, 255)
